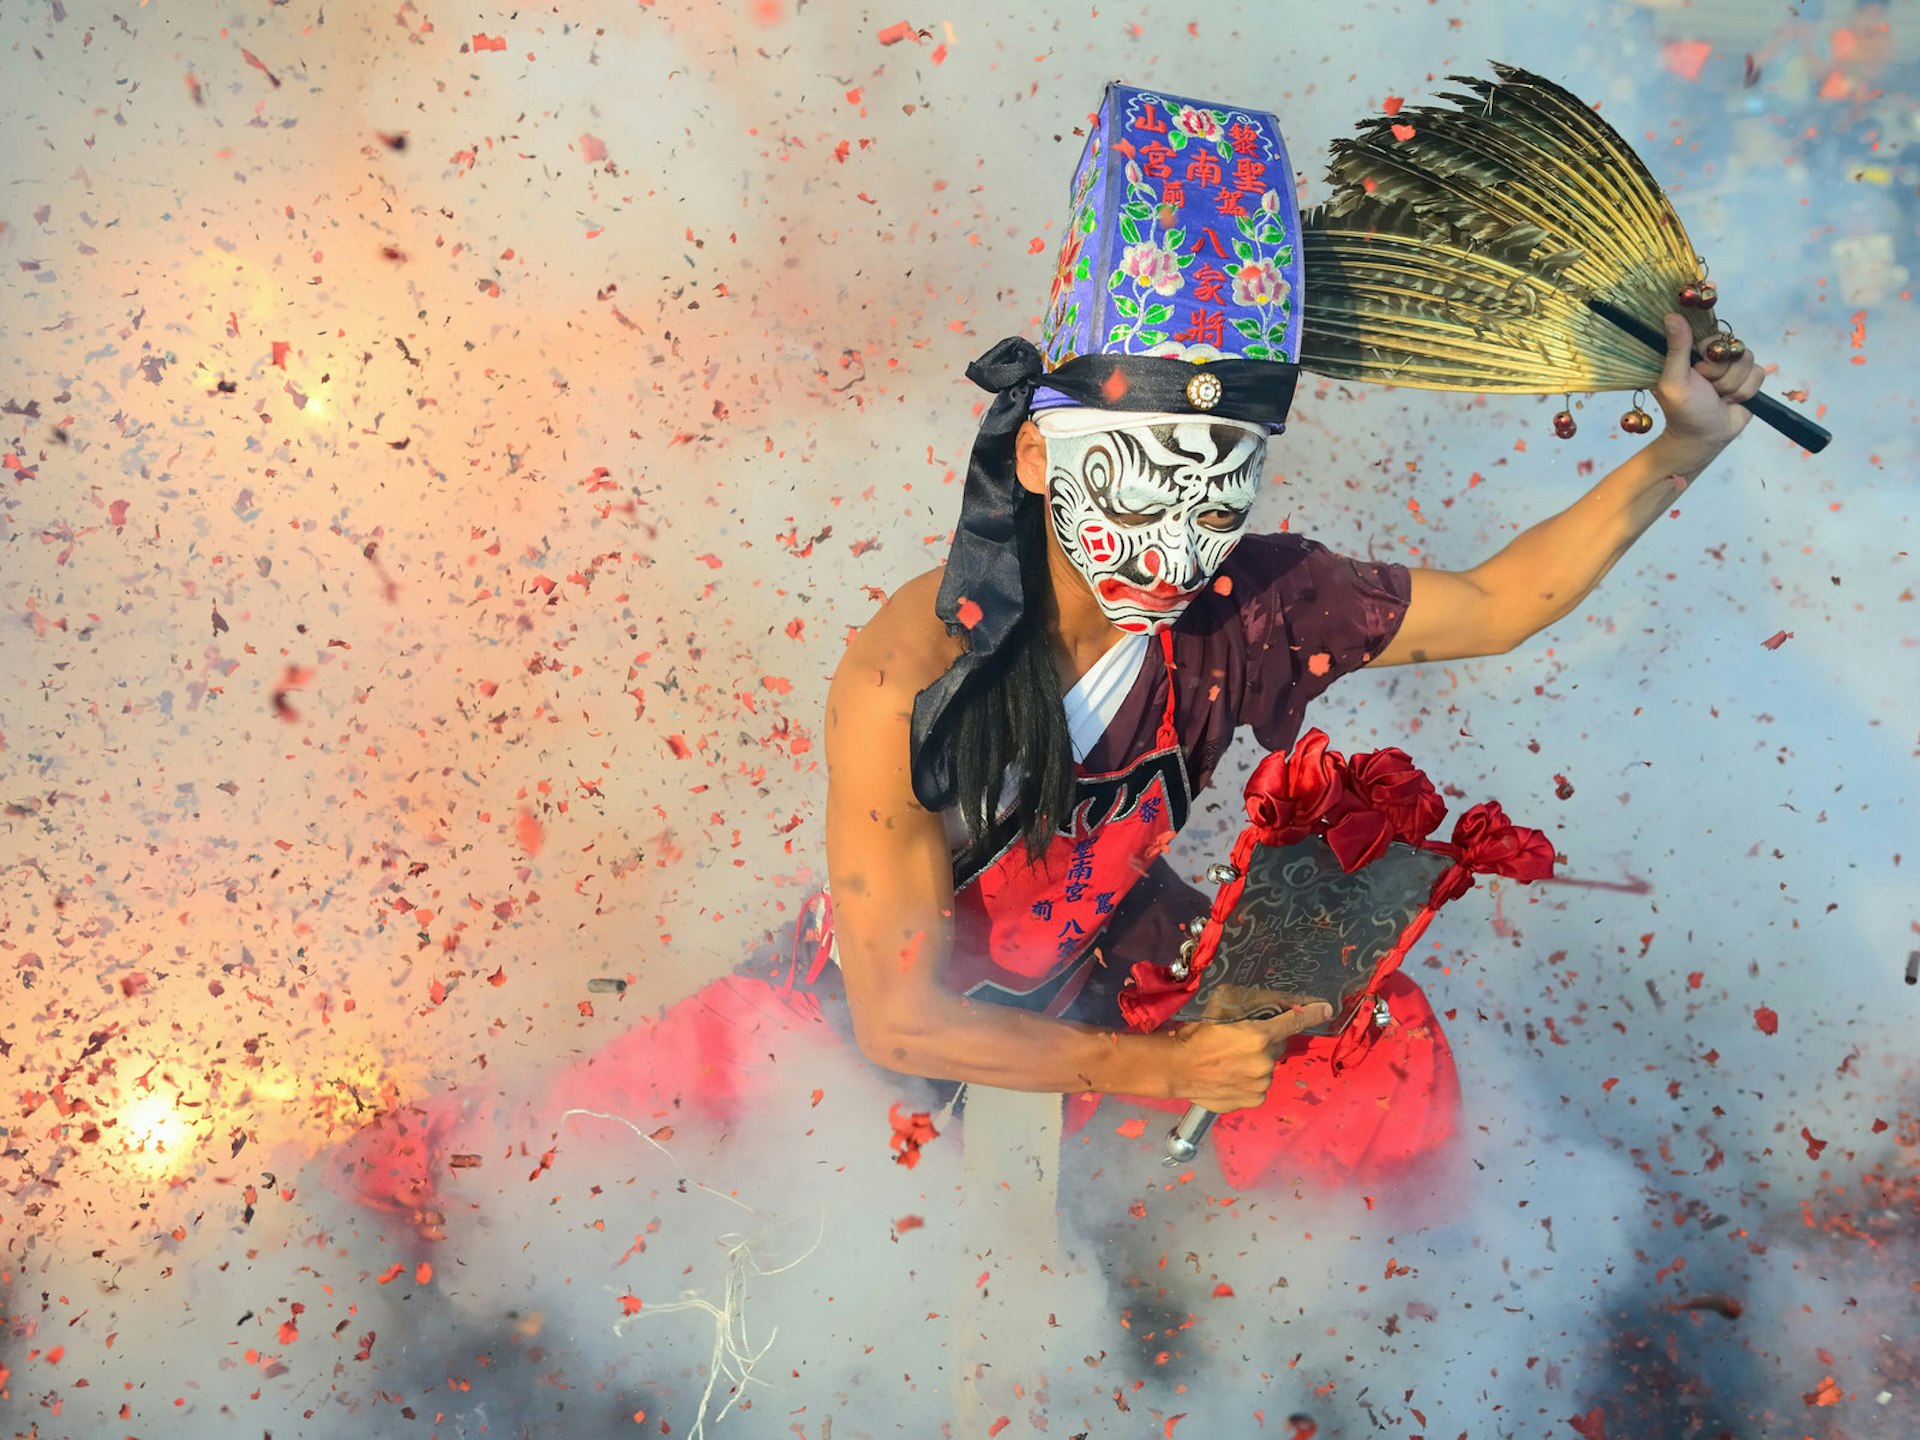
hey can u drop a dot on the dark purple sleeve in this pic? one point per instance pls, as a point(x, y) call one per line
point(1307, 616)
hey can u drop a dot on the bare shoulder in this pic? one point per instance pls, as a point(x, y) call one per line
point(898, 653)
point(869, 736)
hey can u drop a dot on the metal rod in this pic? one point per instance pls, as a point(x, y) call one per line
point(1183, 1141)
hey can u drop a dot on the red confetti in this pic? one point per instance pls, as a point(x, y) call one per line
point(1826, 1393)
point(280, 349)
point(1222, 1291)
point(1592, 1425)
point(489, 42)
point(528, 832)
point(896, 32)
point(117, 513)
point(1686, 58)
point(910, 1133)
point(970, 613)
point(997, 1426)
point(1777, 639)
point(678, 744)
point(906, 1223)
point(1403, 132)
point(1766, 1021)
point(1814, 1147)
point(257, 63)
point(1392, 104)
point(1223, 585)
point(629, 1304)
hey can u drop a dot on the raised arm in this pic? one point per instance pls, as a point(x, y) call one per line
point(889, 869)
point(1549, 569)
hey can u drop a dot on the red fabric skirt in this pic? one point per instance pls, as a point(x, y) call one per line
point(701, 1061)
point(706, 1059)
point(1389, 1110)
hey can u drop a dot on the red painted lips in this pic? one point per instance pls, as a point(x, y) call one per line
point(1161, 597)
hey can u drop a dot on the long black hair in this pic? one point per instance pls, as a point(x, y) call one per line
point(1011, 719)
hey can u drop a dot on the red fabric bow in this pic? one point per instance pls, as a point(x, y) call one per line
point(1388, 798)
point(1152, 997)
point(1287, 793)
point(1486, 842)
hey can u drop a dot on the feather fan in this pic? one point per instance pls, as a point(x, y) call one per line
point(1514, 243)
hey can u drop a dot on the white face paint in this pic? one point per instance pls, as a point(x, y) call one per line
point(1150, 513)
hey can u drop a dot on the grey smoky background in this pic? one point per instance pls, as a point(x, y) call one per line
point(445, 451)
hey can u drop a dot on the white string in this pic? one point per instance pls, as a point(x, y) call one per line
point(733, 1353)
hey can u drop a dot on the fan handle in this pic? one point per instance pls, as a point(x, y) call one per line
point(1791, 423)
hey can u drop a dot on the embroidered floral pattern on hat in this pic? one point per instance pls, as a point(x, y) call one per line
point(1073, 269)
point(1182, 236)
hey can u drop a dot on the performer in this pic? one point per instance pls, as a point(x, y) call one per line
point(1014, 738)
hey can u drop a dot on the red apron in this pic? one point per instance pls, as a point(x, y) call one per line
point(1025, 932)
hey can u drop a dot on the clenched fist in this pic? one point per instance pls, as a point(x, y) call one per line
point(1224, 1067)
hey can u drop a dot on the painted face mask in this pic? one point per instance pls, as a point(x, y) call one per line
point(1149, 513)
